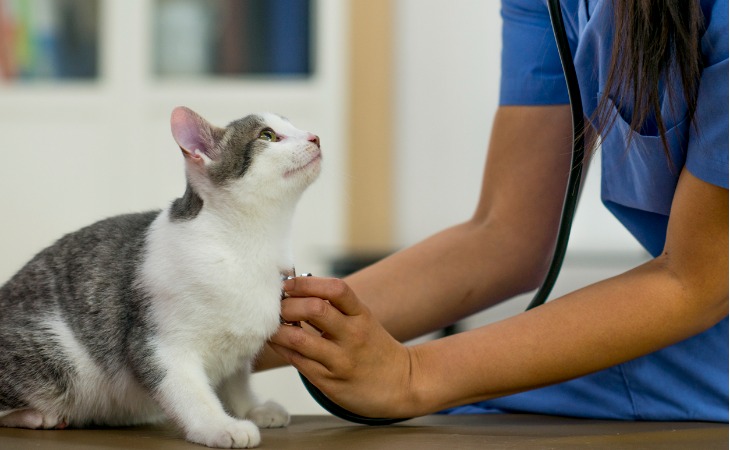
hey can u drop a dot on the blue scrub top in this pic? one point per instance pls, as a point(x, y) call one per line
point(689, 380)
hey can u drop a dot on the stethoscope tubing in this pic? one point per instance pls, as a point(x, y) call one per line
point(570, 204)
point(572, 192)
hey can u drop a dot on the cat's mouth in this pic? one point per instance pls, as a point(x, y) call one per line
point(313, 160)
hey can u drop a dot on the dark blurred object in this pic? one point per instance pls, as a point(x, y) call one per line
point(233, 37)
point(78, 38)
point(344, 265)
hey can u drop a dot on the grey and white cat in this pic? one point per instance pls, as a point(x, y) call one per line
point(157, 315)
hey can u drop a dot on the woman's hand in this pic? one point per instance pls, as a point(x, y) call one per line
point(351, 358)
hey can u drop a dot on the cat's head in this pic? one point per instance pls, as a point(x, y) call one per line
point(261, 156)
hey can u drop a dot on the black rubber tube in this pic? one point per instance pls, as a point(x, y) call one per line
point(338, 411)
point(572, 192)
point(566, 220)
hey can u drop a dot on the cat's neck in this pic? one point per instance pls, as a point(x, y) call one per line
point(234, 212)
point(232, 220)
point(269, 222)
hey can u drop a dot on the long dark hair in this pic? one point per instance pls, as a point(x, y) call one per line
point(654, 40)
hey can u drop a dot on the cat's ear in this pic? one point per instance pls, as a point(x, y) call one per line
point(195, 136)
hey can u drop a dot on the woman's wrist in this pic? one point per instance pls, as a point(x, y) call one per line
point(425, 392)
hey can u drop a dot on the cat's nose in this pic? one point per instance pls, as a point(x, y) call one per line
point(313, 138)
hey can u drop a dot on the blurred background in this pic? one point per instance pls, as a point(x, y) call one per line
point(402, 94)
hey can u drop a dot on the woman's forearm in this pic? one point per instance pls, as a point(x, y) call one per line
point(450, 275)
point(439, 281)
point(591, 329)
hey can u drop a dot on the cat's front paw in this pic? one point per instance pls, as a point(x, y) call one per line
point(234, 434)
point(269, 415)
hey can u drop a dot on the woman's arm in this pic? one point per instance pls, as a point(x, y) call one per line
point(677, 295)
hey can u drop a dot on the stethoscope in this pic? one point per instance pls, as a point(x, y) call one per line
point(566, 218)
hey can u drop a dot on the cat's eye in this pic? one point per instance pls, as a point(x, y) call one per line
point(268, 135)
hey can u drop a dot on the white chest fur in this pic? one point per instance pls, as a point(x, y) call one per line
point(215, 288)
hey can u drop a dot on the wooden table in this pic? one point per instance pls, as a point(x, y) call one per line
point(509, 431)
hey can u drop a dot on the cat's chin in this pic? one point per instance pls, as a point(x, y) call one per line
point(311, 165)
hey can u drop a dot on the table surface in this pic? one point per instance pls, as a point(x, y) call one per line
point(511, 431)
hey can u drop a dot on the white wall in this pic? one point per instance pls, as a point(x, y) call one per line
point(447, 79)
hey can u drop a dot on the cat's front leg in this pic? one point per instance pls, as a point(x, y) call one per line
point(186, 396)
point(235, 393)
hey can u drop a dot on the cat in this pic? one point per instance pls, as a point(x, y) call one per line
point(156, 315)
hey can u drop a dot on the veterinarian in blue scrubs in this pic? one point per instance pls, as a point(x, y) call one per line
point(650, 344)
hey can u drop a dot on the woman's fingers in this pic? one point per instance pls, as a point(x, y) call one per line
point(324, 303)
point(305, 350)
point(334, 290)
point(318, 313)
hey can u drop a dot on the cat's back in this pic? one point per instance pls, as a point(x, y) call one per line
point(97, 260)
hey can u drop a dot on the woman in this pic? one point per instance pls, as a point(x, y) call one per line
point(651, 343)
